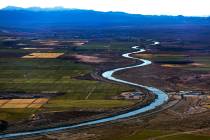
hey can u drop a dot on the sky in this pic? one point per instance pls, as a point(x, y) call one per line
point(146, 7)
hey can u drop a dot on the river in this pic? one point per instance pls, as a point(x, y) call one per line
point(161, 98)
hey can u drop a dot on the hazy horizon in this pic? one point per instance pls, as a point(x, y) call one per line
point(145, 7)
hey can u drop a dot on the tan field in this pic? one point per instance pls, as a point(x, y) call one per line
point(43, 55)
point(37, 48)
point(198, 64)
point(23, 103)
point(3, 102)
point(172, 65)
point(18, 105)
point(40, 101)
point(35, 106)
point(89, 59)
point(49, 42)
point(148, 56)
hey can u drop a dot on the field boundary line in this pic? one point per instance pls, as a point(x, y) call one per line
point(89, 94)
point(4, 104)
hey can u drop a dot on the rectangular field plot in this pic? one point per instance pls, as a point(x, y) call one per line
point(23, 103)
point(43, 55)
point(2, 102)
point(17, 105)
point(40, 101)
point(35, 106)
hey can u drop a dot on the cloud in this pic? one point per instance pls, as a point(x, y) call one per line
point(148, 7)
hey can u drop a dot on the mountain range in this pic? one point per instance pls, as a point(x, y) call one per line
point(16, 17)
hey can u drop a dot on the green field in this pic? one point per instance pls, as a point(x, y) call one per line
point(204, 60)
point(94, 104)
point(145, 134)
point(107, 46)
point(54, 76)
point(186, 137)
point(167, 58)
point(170, 58)
point(162, 135)
point(15, 114)
point(181, 60)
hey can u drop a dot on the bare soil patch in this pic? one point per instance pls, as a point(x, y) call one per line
point(89, 58)
point(43, 55)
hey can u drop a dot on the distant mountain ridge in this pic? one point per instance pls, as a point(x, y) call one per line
point(12, 8)
point(35, 17)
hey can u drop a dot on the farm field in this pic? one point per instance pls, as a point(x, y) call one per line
point(43, 55)
point(23, 103)
point(55, 79)
point(181, 61)
point(17, 114)
point(187, 137)
point(91, 104)
point(107, 46)
point(164, 135)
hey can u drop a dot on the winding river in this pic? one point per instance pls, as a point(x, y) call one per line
point(161, 98)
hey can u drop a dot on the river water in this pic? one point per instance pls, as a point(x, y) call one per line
point(161, 98)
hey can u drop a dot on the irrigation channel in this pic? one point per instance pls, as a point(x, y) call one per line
point(161, 98)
